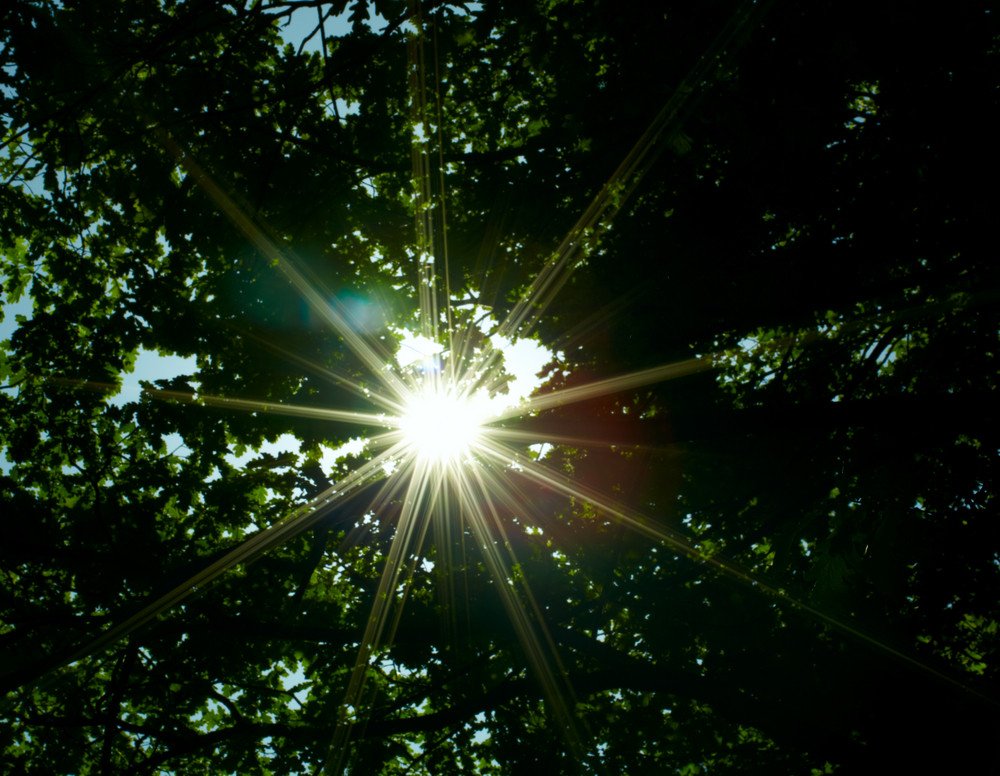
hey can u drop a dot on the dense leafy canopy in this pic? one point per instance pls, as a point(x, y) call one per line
point(806, 230)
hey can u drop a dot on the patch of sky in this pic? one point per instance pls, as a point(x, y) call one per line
point(296, 685)
point(540, 450)
point(287, 443)
point(301, 27)
point(304, 29)
point(523, 359)
point(15, 313)
point(483, 733)
point(5, 90)
point(151, 366)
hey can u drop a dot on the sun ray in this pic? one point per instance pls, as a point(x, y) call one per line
point(488, 530)
point(443, 204)
point(544, 437)
point(597, 388)
point(420, 157)
point(332, 376)
point(352, 711)
point(276, 408)
point(245, 552)
point(445, 533)
point(687, 547)
point(615, 192)
point(326, 306)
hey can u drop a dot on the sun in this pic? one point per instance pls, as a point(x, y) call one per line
point(441, 424)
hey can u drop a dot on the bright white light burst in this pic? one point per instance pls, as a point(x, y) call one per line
point(441, 424)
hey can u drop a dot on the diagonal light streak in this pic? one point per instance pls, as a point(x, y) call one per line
point(645, 527)
point(616, 191)
point(332, 376)
point(544, 437)
point(488, 530)
point(275, 408)
point(610, 385)
point(442, 199)
point(500, 491)
point(247, 551)
point(341, 321)
point(353, 712)
point(420, 158)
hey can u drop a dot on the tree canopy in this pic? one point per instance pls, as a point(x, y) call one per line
point(743, 526)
